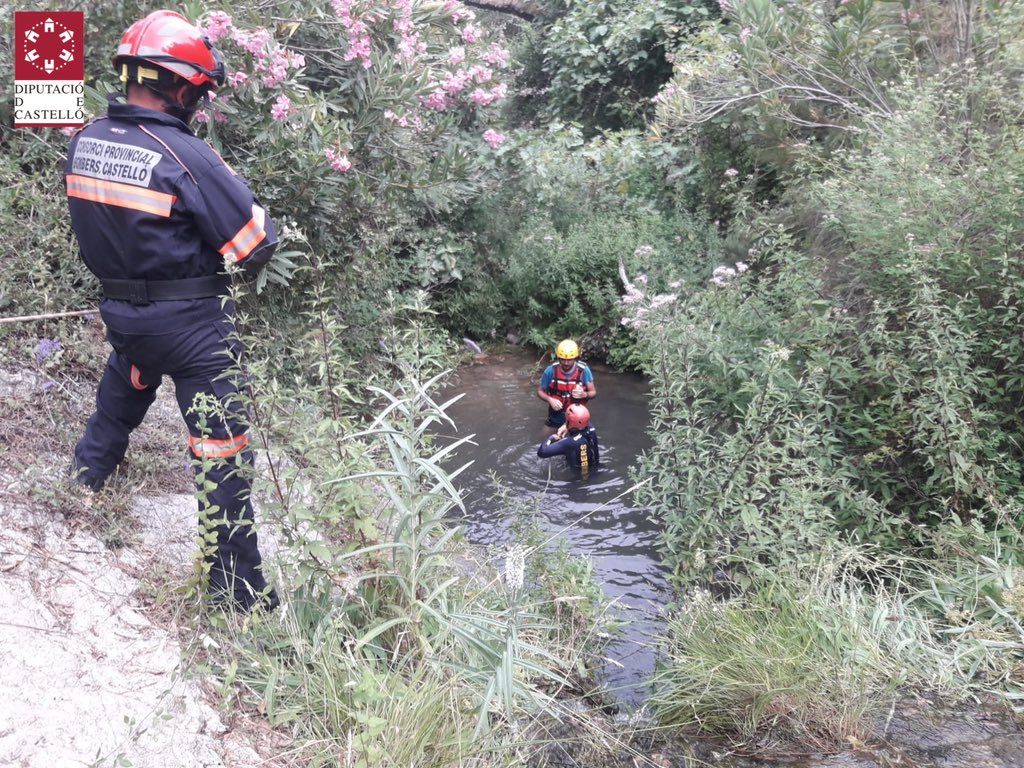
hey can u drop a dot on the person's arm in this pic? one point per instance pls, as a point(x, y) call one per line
point(552, 447)
point(554, 402)
point(588, 384)
point(542, 391)
point(230, 219)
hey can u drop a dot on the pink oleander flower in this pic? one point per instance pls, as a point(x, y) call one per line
point(202, 116)
point(470, 33)
point(276, 69)
point(437, 101)
point(458, 11)
point(219, 117)
point(494, 138)
point(282, 108)
point(410, 46)
point(236, 79)
point(218, 25)
point(359, 48)
point(481, 97)
point(496, 56)
point(500, 91)
point(731, 172)
point(480, 73)
point(254, 41)
point(455, 81)
point(457, 55)
point(745, 33)
point(69, 131)
point(338, 161)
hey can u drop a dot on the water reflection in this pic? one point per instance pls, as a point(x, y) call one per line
point(500, 407)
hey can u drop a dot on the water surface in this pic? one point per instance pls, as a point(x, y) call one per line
point(500, 406)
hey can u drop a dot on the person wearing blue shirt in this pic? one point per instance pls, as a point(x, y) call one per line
point(576, 440)
point(565, 382)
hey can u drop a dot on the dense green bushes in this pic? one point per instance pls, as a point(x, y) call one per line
point(356, 157)
point(855, 377)
point(546, 246)
point(600, 62)
point(866, 374)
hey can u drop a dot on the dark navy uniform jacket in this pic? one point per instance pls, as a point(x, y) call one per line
point(150, 200)
point(580, 449)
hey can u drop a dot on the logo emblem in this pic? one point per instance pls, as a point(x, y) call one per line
point(49, 69)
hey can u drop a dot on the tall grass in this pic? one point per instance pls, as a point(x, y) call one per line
point(390, 650)
point(819, 656)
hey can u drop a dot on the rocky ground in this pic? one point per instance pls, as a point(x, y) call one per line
point(92, 670)
point(86, 677)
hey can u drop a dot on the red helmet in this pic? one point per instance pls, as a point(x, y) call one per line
point(577, 416)
point(169, 41)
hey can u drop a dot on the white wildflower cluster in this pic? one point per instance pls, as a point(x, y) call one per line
point(777, 352)
point(291, 233)
point(515, 567)
point(723, 275)
point(700, 559)
point(699, 599)
point(637, 303)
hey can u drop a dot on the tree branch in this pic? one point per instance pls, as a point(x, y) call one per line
point(524, 9)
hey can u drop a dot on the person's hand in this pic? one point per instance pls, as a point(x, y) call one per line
point(562, 432)
point(555, 403)
point(578, 392)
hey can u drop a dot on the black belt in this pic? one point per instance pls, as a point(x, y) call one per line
point(146, 291)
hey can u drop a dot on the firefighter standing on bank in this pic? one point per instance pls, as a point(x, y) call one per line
point(157, 214)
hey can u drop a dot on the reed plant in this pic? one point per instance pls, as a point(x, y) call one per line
point(389, 649)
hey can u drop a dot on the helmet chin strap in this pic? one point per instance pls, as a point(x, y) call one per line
point(176, 109)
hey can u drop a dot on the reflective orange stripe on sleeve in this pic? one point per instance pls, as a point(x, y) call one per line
point(121, 195)
point(247, 238)
point(217, 449)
